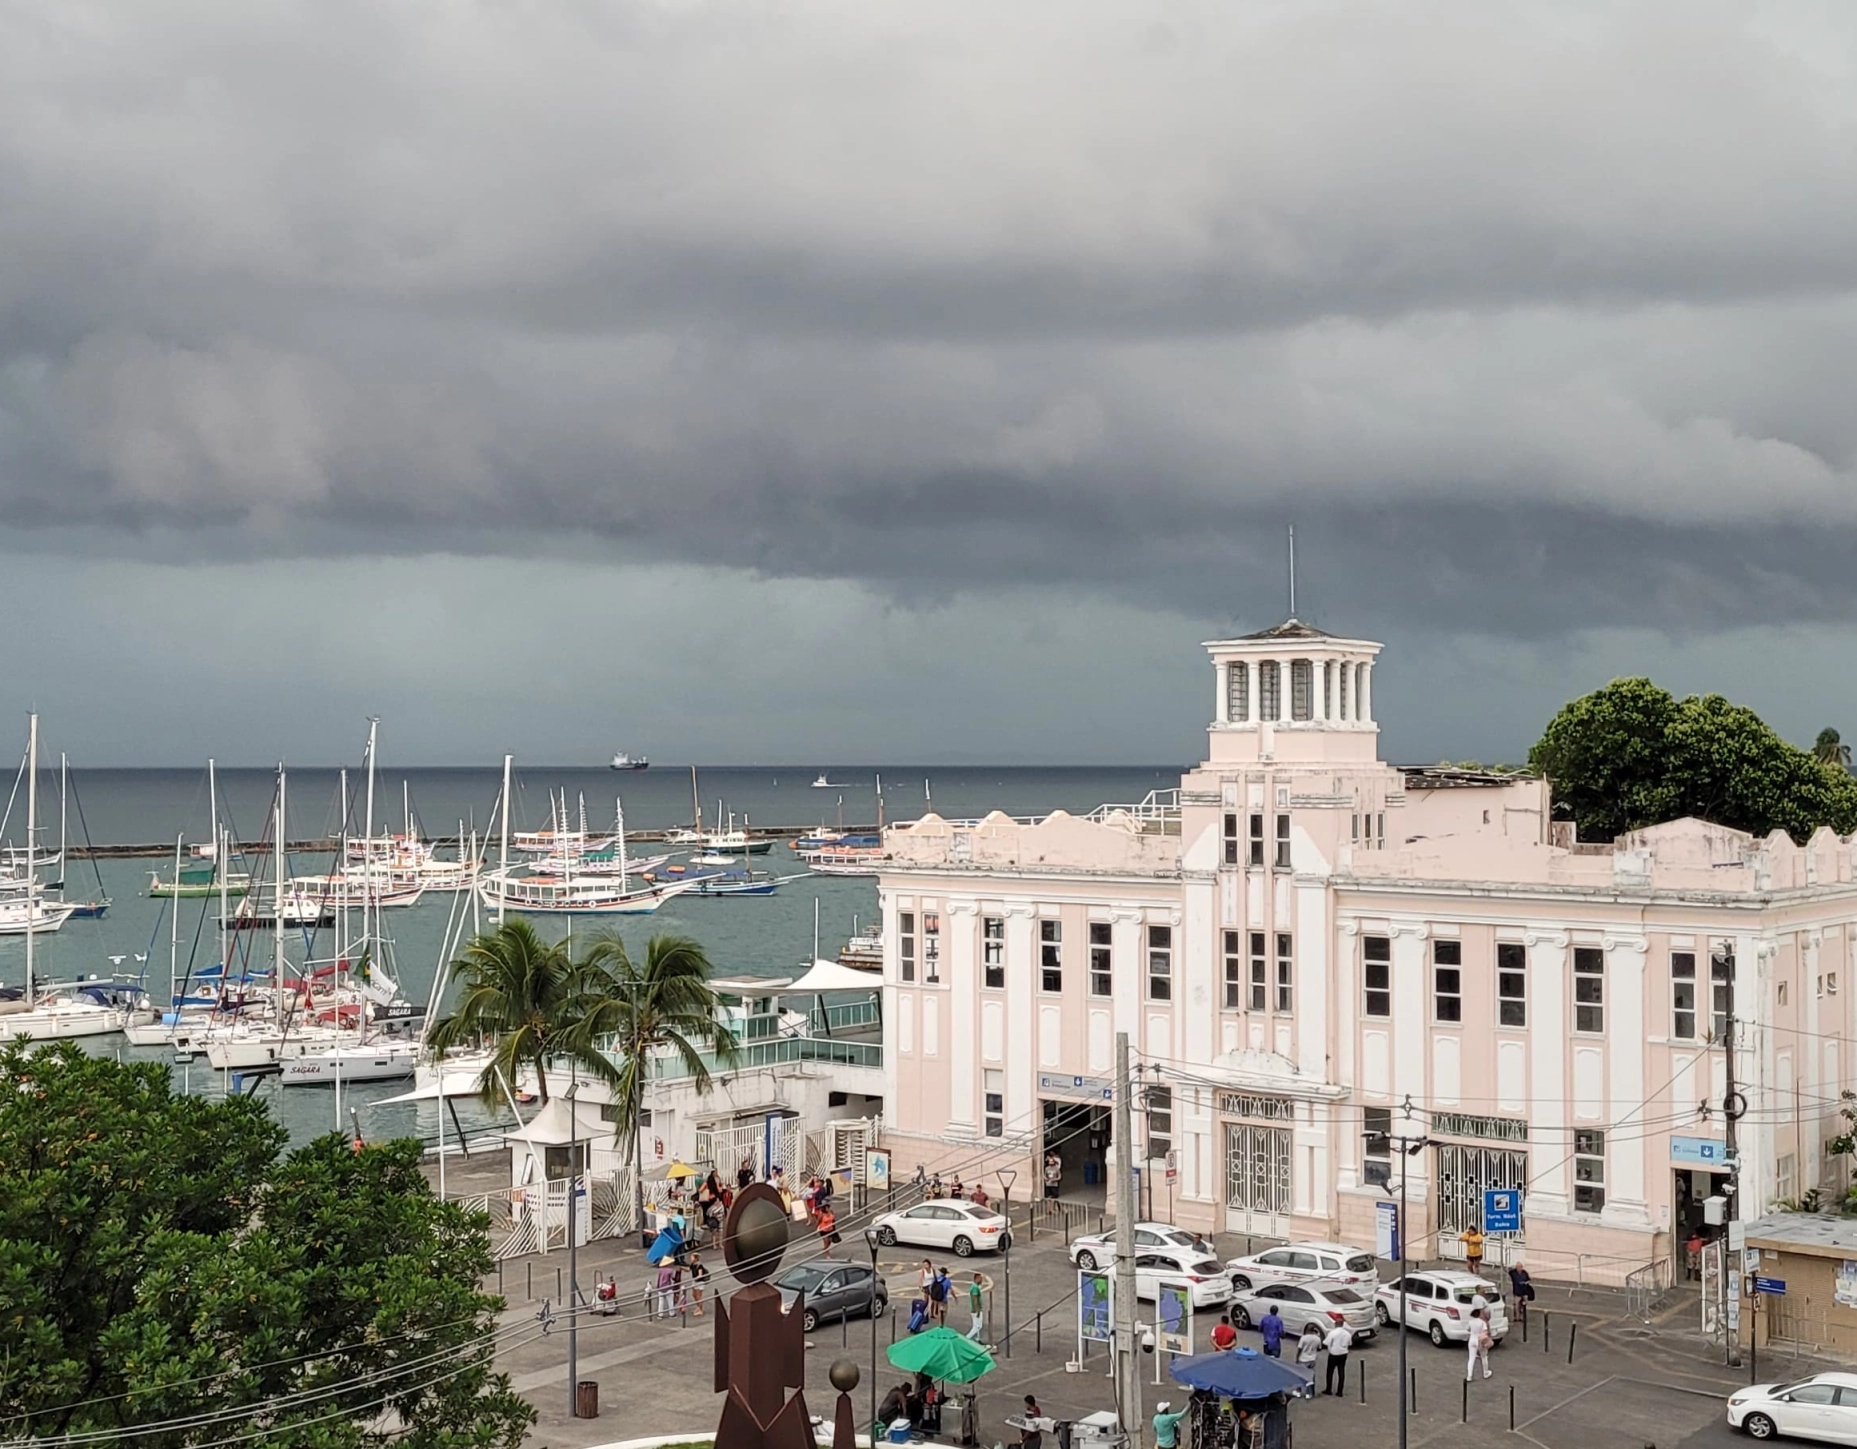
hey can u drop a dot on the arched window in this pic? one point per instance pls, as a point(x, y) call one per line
point(1238, 692)
point(1270, 690)
point(1302, 689)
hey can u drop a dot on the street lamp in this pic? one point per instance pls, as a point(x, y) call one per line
point(1007, 1177)
point(873, 1242)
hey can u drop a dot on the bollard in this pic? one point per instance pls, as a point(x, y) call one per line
point(844, 1320)
point(1464, 1414)
point(1547, 1330)
point(1573, 1335)
point(528, 1280)
point(557, 1280)
point(1363, 1379)
point(1414, 1395)
point(499, 1277)
point(1524, 1323)
point(1038, 1345)
point(1511, 1408)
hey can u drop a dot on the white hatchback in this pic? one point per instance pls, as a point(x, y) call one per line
point(1823, 1407)
point(1439, 1304)
point(1209, 1285)
point(1297, 1304)
point(963, 1228)
point(1306, 1263)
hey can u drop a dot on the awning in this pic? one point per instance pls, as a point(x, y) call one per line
point(833, 976)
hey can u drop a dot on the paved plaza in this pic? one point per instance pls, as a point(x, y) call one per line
point(1628, 1384)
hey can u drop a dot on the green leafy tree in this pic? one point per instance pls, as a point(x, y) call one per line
point(521, 994)
point(1829, 749)
point(1632, 755)
point(164, 1270)
point(662, 1004)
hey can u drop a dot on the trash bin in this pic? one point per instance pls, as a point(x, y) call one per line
point(587, 1399)
point(1089, 1174)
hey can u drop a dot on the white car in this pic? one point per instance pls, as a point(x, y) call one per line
point(1822, 1407)
point(1097, 1250)
point(961, 1227)
point(1323, 1304)
point(1210, 1286)
point(1438, 1304)
point(1306, 1263)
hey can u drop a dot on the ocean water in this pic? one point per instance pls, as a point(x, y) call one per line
point(771, 935)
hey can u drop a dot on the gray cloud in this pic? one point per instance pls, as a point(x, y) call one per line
point(1533, 318)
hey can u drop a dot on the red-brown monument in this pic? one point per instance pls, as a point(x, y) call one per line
point(760, 1351)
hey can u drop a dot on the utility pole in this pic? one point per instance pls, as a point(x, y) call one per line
point(1731, 1116)
point(1128, 1374)
point(573, 1258)
point(1407, 1148)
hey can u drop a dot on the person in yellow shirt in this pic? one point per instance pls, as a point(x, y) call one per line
point(1473, 1248)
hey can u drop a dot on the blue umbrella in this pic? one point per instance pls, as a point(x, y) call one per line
point(1240, 1373)
point(668, 1244)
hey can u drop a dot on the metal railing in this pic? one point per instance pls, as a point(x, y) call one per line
point(780, 1052)
point(1646, 1287)
point(1159, 807)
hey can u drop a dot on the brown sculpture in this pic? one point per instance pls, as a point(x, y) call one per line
point(760, 1351)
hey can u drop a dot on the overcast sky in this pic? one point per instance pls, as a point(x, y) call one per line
point(845, 381)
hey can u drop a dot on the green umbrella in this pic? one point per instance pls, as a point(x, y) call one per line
point(941, 1353)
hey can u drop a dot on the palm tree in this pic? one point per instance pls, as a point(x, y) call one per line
point(663, 1004)
point(521, 991)
point(1829, 749)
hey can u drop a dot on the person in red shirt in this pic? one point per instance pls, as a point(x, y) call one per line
point(1224, 1337)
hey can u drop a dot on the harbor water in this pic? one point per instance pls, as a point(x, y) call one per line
point(750, 935)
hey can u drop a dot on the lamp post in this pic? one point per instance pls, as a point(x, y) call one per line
point(872, 1242)
point(1007, 1176)
point(1408, 1147)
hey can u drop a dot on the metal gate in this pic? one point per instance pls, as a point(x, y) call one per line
point(1257, 1179)
point(1464, 1175)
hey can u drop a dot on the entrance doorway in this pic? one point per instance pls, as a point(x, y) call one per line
point(1078, 1132)
point(1257, 1179)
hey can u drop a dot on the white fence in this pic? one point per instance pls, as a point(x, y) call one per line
point(533, 1218)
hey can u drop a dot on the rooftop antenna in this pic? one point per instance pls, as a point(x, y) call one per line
point(1292, 571)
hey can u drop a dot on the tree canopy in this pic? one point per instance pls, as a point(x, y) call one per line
point(162, 1266)
point(1633, 755)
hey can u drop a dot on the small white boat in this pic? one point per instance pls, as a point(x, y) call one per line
point(825, 782)
point(549, 895)
point(24, 911)
point(58, 1016)
point(623, 761)
point(351, 1061)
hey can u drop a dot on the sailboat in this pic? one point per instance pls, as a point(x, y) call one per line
point(210, 871)
point(693, 833)
point(607, 893)
point(60, 1013)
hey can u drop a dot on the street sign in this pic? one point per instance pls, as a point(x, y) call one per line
point(1775, 1286)
point(1502, 1210)
point(1698, 1151)
point(1060, 1084)
point(1173, 1166)
point(1386, 1230)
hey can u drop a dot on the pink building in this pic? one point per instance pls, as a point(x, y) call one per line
point(1306, 945)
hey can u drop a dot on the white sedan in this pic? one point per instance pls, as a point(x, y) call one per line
point(961, 1227)
point(1209, 1284)
point(1097, 1250)
point(1823, 1407)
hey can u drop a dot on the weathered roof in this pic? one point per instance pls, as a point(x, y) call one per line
point(1817, 1233)
point(1291, 628)
point(1445, 777)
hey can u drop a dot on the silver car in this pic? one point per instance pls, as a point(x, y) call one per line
point(1298, 1304)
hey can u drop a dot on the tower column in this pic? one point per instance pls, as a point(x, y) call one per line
point(1222, 714)
point(1365, 709)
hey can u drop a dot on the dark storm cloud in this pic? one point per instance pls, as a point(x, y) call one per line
point(1533, 317)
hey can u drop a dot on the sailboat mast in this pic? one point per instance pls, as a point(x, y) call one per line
point(32, 827)
point(277, 900)
point(367, 881)
point(174, 930)
point(619, 814)
point(696, 804)
point(503, 864)
point(63, 842)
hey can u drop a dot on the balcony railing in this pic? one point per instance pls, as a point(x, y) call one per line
point(779, 1052)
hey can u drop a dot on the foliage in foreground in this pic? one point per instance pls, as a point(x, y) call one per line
point(161, 1262)
point(1632, 755)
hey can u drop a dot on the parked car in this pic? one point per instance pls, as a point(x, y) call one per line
point(1323, 1304)
point(1438, 1305)
point(1097, 1250)
point(833, 1290)
point(1823, 1407)
point(1210, 1285)
point(962, 1227)
point(1306, 1263)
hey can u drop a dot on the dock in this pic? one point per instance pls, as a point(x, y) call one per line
point(165, 850)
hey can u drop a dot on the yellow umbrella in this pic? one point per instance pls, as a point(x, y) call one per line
point(679, 1168)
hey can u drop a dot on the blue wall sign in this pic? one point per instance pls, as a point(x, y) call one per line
point(1502, 1210)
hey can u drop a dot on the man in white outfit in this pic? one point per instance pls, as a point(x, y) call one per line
point(1478, 1343)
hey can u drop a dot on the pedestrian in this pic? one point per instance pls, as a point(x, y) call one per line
point(1271, 1326)
point(934, 1187)
point(1522, 1286)
point(978, 1197)
point(699, 1281)
point(744, 1175)
point(976, 1311)
point(683, 1288)
point(822, 1198)
point(1167, 1425)
point(1200, 1245)
point(895, 1405)
point(957, 1192)
point(1478, 1343)
point(940, 1291)
point(1224, 1336)
point(1339, 1340)
point(664, 1302)
point(1472, 1239)
point(920, 1181)
point(828, 1231)
point(925, 1278)
point(1308, 1347)
point(1031, 1437)
point(1054, 1174)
